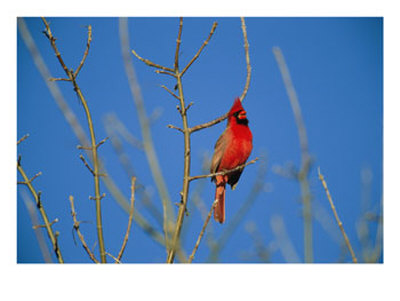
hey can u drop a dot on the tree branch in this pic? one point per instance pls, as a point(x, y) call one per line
point(170, 92)
point(208, 124)
point(200, 50)
point(39, 205)
point(178, 44)
point(22, 139)
point(202, 231)
point(96, 175)
point(340, 224)
point(128, 229)
point(246, 49)
point(78, 231)
point(86, 51)
point(150, 63)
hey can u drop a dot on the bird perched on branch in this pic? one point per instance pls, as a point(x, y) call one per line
point(232, 149)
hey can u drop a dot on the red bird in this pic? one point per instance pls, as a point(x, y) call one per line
point(232, 149)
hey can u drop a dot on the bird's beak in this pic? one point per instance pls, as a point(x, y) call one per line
point(242, 115)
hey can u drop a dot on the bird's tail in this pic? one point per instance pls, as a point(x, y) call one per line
point(219, 210)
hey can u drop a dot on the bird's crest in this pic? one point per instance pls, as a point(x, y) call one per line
point(237, 106)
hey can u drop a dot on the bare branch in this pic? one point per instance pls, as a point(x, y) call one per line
point(113, 257)
point(178, 44)
point(246, 49)
point(84, 147)
point(31, 179)
point(208, 124)
point(200, 50)
point(128, 229)
point(52, 40)
point(37, 197)
point(87, 165)
point(174, 127)
point(99, 198)
point(202, 231)
point(76, 227)
point(23, 138)
point(170, 92)
point(44, 226)
point(89, 39)
point(54, 79)
point(35, 220)
point(340, 224)
point(95, 172)
point(101, 142)
point(165, 72)
point(151, 64)
point(189, 105)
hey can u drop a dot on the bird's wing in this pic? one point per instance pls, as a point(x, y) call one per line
point(219, 150)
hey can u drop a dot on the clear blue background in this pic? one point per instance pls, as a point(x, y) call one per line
point(336, 67)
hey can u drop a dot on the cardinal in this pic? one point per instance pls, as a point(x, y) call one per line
point(231, 150)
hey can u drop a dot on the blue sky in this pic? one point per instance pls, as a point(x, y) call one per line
point(336, 67)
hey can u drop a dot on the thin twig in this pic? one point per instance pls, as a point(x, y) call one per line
point(89, 39)
point(52, 40)
point(95, 173)
point(221, 173)
point(202, 231)
point(170, 92)
point(59, 79)
point(174, 127)
point(30, 180)
point(78, 231)
point(305, 156)
point(44, 226)
point(200, 204)
point(35, 220)
point(39, 205)
point(150, 63)
point(101, 142)
point(128, 229)
point(23, 138)
point(208, 124)
point(178, 44)
point(200, 49)
point(165, 72)
point(87, 165)
point(340, 224)
point(248, 66)
point(113, 257)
